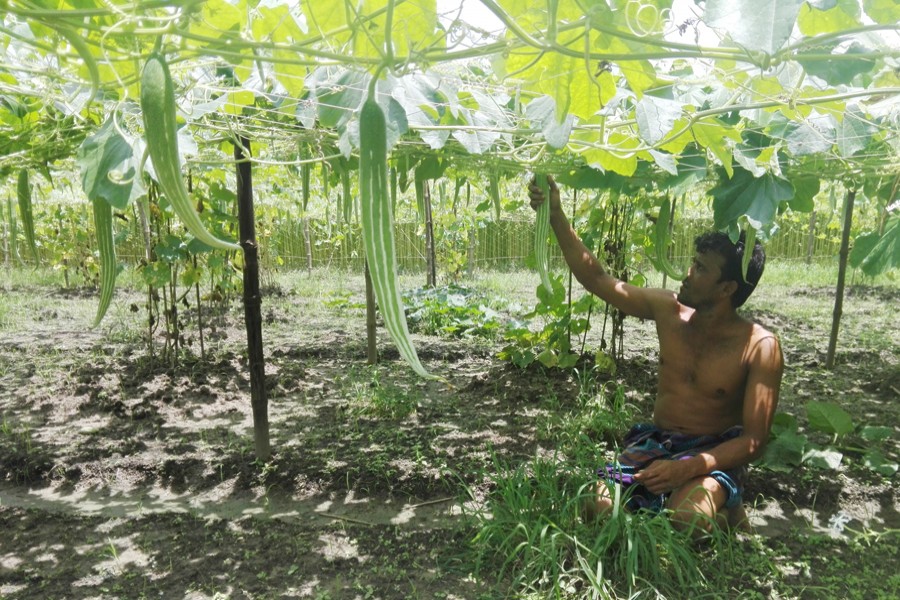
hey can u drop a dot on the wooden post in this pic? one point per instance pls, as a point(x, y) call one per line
point(371, 339)
point(430, 259)
point(252, 302)
point(842, 275)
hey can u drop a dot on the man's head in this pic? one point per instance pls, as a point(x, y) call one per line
point(733, 255)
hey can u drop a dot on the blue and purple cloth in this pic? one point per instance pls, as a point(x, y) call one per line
point(646, 443)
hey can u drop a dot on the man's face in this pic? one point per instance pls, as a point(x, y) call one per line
point(703, 285)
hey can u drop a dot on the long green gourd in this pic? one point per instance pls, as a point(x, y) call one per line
point(749, 244)
point(160, 130)
point(661, 243)
point(23, 191)
point(378, 229)
point(542, 232)
point(103, 227)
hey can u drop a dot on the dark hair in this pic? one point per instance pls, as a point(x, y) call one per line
point(733, 253)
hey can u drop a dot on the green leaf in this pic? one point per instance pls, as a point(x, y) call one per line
point(656, 117)
point(157, 274)
point(876, 433)
point(885, 252)
point(821, 17)
point(757, 25)
point(783, 422)
point(785, 452)
point(855, 132)
point(886, 12)
point(542, 112)
point(756, 197)
point(827, 458)
point(106, 170)
point(548, 358)
point(829, 418)
point(876, 461)
point(807, 138)
point(862, 247)
point(839, 71)
point(339, 95)
point(171, 249)
point(805, 190)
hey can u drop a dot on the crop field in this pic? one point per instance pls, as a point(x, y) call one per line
point(286, 308)
point(131, 475)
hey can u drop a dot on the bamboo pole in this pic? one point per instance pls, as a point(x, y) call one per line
point(252, 301)
point(842, 274)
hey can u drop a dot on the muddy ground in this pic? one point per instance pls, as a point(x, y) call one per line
point(126, 476)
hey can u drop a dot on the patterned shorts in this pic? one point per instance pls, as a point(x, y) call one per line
point(646, 443)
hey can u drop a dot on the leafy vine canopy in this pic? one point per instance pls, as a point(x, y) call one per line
point(766, 96)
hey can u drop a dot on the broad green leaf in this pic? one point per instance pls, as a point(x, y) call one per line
point(829, 418)
point(276, 24)
point(823, 458)
point(157, 274)
point(785, 452)
point(412, 27)
point(839, 70)
point(171, 249)
point(805, 190)
point(339, 95)
point(715, 137)
point(757, 25)
point(328, 21)
point(548, 358)
point(836, 16)
point(105, 161)
point(622, 161)
point(783, 422)
point(885, 253)
point(876, 461)
point(757, 198)
point(220, 20)
point(855, 131)
point(191, 276)
point(561, 77)
point(876, 433)
point(542, 112)
point(639, 74)
point(656, 117)
point(883, 11)
point(239, 100)
point(808, 137)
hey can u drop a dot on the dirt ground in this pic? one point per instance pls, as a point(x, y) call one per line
point(122, 476)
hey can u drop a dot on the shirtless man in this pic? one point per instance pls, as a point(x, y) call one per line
point(718, 383)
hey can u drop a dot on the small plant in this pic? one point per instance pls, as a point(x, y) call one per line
point(382, 400)
point(789, 448)
point(453, 311)
point(557, 343)
point(22, 461)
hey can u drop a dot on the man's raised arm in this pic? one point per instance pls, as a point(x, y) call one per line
point(630, 299)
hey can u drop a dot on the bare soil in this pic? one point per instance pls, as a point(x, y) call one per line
point(123, 475)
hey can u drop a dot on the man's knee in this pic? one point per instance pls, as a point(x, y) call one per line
point(697, 504)
point(599, 502)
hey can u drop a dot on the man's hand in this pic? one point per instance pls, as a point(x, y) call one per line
point(537, 195)
point(663, 476)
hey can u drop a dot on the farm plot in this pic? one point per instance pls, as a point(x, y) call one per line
point(127, 477)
